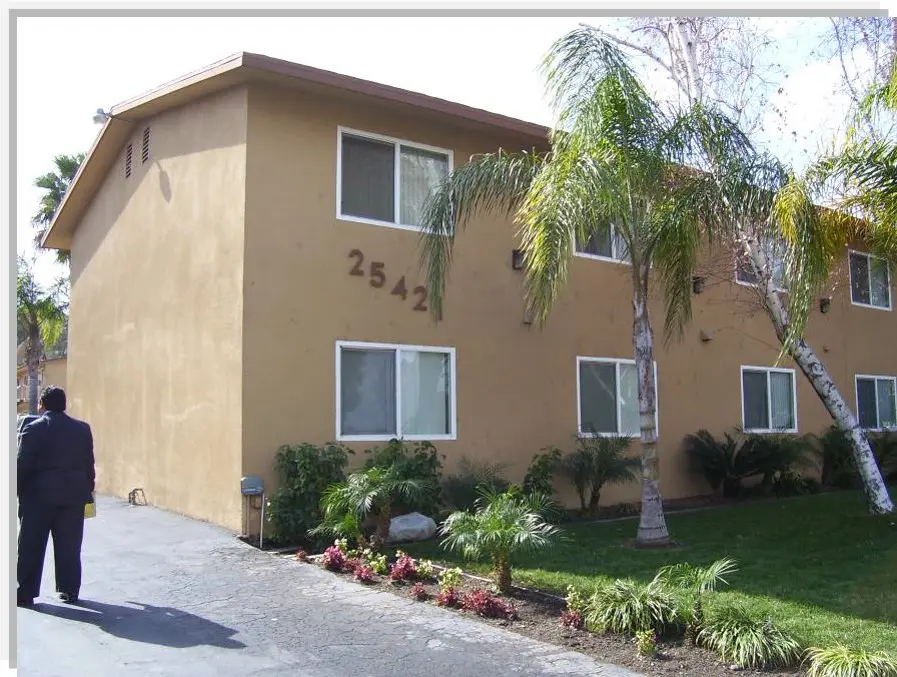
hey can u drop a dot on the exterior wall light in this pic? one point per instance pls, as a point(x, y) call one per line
point(697, 284)
point(517, 259)
point(825, 303)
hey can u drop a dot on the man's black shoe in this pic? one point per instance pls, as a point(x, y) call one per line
point(24, 602)
point(67, 598)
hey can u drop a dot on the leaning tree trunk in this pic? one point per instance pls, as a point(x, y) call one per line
point(652, 529)
point(877, 497)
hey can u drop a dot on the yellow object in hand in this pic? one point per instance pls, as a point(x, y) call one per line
point(90, 509)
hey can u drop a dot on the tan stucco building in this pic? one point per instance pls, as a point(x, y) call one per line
point(245, 275)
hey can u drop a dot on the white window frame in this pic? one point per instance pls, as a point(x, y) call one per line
point(397, 348)
point(616, 362)
point(850, 277)
point(856, 393)
point(397, 146)
point(768, 370)
point(598, 257)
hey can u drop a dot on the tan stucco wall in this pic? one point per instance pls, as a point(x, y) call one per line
point(155, 331)
point(516, 384)
point(54, 373)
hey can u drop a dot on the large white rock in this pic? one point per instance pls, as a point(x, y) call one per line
point(411, 527)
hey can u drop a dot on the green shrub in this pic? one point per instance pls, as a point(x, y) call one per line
point(461, 490)
point(371, 493)
point(417, 461)
point(503, 525)
point(646, 643)
point(789, 483)
point(450, 579)
point(835, 452)
point(595, 462)
point(626, 606)
point(728, 462)
point(305, 472)
point(836, 455)
point(694, 584)
point(884, 446)
point(539, 477)
point(841, 661)
point(737, 637)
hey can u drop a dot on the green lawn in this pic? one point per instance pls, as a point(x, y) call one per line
point(818, 565)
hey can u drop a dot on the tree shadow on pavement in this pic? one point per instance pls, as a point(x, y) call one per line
point(161, 625)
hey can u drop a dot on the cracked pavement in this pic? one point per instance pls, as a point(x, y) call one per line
point(166, 595)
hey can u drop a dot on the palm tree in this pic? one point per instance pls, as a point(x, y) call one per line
point(55, 184)
point(598, 461)
point(612, 160)
point(369, 493)
point(41, 318)
point(503, 525)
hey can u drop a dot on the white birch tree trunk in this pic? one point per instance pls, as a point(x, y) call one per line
point(652, 529)
point(874, 487)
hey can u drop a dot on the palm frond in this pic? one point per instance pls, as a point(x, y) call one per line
point(495, 181)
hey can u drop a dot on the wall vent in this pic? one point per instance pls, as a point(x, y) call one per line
point(146, 141)
point(129, 155)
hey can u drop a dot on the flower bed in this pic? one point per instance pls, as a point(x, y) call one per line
point(528, 612)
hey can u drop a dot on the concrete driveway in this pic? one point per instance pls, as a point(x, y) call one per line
point(165, 595)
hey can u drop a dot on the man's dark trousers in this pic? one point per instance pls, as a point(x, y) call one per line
point(66, 525)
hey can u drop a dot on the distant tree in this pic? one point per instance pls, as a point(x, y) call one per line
point(41, 317)
point(55, 184)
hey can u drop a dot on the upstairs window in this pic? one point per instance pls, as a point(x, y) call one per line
point(387, 181)
point(870, 281)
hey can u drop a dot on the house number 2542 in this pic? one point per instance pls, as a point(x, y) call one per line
point(376, 273)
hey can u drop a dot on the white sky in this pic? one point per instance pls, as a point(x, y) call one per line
point(69, 67)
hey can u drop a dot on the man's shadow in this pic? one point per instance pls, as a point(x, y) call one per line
point(161, 625)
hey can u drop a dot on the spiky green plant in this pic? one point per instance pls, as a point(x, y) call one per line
point(694, 584)
point(627, 606)
point(504, 525)
point(842, 661)
point(368, 493)
point(737, 637)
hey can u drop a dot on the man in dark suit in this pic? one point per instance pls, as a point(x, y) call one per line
point(55, 481)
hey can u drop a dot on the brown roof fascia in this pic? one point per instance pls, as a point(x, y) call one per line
point(236, 68)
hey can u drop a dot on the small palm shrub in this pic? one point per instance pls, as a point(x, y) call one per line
point(371, 492)
point(694, 585)
point(504, 525)
point(626, 606)
point(835, 453)
point(735, 636)
point(728, 462)
point(305, 471)
point(841, 661)
point(461, 490)
point(418, 462)
point(598, 461)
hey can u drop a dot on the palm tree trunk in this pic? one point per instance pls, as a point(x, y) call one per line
point(652, 529)
point(877, 497)
point(502, 574)
point(32, 359)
